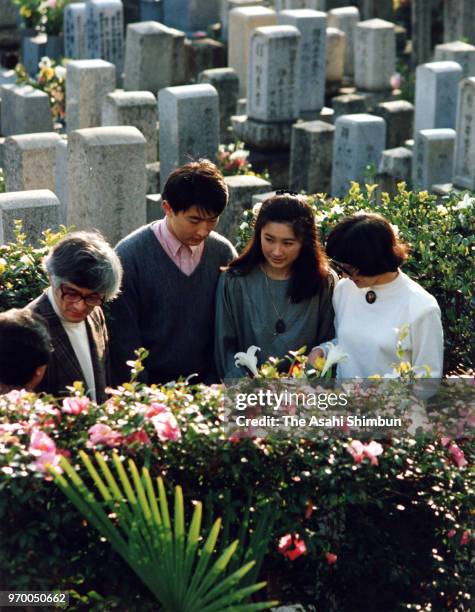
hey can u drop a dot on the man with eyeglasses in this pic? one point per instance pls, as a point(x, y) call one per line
point(84, 272)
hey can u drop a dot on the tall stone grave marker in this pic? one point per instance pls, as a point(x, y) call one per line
point(335, 61)
point(459, 20)
point(359, 141)
point(436, 95)
point(375, 54)
point(191, 15)
point(226, 83)
point(154, 57)
point(460, 52)
point(136, 108)
point(433, 157)
point(421, 22)
point(311, 65)
point(189, 125)
point(229, 5)
point(106, 180)
point(29, 161)
point(87, 84)
point(345, 19)
point(242, 22)
point(75, 30)
point(399, 118)
point(37, 209)
point(464, 163)
point(311, 156)
point(24, 110)
point(61, 188)
point(105, 32)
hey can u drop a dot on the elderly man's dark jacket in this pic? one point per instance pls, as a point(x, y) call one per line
point(63, 368)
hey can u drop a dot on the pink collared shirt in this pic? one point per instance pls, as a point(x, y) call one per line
point(185, 257)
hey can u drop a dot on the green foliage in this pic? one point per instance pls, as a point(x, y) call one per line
point(135, 518)
point(22, 278)
point(442, 239)
point(2, 181)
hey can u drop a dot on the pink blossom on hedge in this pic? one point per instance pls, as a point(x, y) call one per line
point(154, 409)
point(331, 558)
point(291, 546)
point(41, 442)
point(457, 455)
point(75, 405)
point(103, 434)
point(465, 539)
point(46, 460)
point(451, 533)
point(166, 427)
point(138, 437)
point(16, 396)
point(359, 450)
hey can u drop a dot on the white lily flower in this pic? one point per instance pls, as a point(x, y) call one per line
point(248, 359)
point(466, 202)
point(45, 62)
point(335, 355)
point(60, 72)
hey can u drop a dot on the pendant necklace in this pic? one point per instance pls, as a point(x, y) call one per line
point(370, 296)
point(280, 326)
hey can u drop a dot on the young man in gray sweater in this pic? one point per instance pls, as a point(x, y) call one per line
point(171, 269)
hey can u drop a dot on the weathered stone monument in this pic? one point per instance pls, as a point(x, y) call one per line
point(191, 15)
point(229, 5)
point(345, 19)
point(460, 52)
point(375, 55)
point(24, 110)
point(421, 25)
point(74, 26)
point(459, 20)
point(189, 125)
point(87, 84)
point(464, 162)
point(433, 157)
point(311, 63)
point(29, 161)
point(436, 95)
point(242, 21)
point(226, 83)
point(105, 32)
point(311, 156)
point(37, 210)
point(335, 60)
point(399, 118)
point(154, 57)
point(359, 141)
point(106, 180)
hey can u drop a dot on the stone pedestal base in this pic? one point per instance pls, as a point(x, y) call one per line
point(260, 135)
point(373, 98)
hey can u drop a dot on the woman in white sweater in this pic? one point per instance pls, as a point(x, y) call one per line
point(375, 300)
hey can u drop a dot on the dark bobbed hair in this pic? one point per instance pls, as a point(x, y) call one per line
point(310, 270)
point(197, 183)
point(24, 346)
point(87, 260)
point(368, 242)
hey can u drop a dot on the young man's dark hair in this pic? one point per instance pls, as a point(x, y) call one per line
point(25, 347)
point(198, 183)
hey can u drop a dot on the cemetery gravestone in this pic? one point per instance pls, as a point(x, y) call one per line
point(436, 95)
point(87, 84)
point(154, 57)
point(106, 180)
point(348, 104)
point(381, 9)
point(311, 156)
point(74, 26)
point(345, 19)
point(151, 10)
point(203, 54)
point(191, 15)
point(396, 163)
point(335, 62)
point(242, 22)
point(399, 117)
point(61, 189)
point(421, 25)
point(105, 32)
point(24, 110)
point(460, 52)
point(37, 210)
point(359, 141)
point(311, 63)
point(459, 20)
point(464, 163)
point(229, 5)
point(29, 161)
point(189, 125)
point(433, 157)
point(34, 48)
point(226, 83)
point(135, 108)
point(375, 54)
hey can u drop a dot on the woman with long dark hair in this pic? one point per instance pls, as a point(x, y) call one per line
point(277, 294)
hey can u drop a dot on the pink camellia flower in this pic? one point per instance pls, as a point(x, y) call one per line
point(138, 437)
point(451, 533)
point(331, 558)
point(291, 546)
point(166, 427)
point(41, 442)
point(16, 396)
point(103, 434)
point(154, 409)
point(465, 539)
point(360, 450)
point(396, 81)
point(75, 405)
point(47, 460)
point(457, 456)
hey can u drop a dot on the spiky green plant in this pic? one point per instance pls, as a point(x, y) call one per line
point(134, 516)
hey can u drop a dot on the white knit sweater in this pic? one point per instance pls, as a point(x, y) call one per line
point(369, 332)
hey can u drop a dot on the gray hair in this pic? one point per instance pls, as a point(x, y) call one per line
point(85, 259)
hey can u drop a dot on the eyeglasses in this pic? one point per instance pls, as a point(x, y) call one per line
point(71, 296)
point(286, 192)
point(343, 269)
